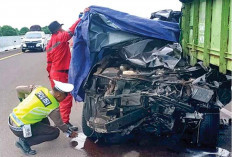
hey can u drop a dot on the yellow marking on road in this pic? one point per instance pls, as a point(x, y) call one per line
point(11, 56)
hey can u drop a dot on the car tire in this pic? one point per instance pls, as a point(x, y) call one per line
point(42, 49)
point(209, 129)
point(109, 138)
point(23, 50)
point(89, 132)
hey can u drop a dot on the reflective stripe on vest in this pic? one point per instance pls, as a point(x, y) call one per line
point(54, 46)
point(38, 105)
point(17, 121)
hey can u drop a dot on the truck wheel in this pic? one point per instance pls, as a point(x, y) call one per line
point(209, 129)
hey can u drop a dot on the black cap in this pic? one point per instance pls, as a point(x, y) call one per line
point(81, 14)
point(54, 26)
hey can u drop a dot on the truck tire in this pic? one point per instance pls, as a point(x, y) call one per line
point(209, 129)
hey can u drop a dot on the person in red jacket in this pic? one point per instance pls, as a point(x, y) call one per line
point(58, 60)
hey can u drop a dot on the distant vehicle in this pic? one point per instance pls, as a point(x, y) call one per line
point(34, 40)
point(35, 28)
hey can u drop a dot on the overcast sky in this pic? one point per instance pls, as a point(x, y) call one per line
point(20, 13)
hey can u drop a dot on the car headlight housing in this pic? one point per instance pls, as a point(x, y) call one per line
point(38, 44)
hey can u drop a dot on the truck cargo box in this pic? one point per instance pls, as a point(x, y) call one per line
point(206, 32)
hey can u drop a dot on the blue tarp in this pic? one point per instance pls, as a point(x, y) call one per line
point(101, 27)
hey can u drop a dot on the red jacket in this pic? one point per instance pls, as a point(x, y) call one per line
point(58, 52)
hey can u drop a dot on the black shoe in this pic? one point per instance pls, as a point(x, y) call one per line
point(73, 128)
point(25, 147)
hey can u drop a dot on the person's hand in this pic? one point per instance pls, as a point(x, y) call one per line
point(32, 87)
point(73, 134)
point(86, 10)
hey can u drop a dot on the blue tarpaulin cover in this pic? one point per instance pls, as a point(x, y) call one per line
point(102, 27)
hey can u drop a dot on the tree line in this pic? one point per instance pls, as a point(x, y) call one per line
point(7, 30)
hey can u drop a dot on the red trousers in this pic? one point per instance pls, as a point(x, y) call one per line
point(66, 104)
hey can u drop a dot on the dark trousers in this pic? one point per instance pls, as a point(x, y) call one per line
point(41, 132)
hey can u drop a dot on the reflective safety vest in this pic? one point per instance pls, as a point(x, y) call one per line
point(38, 105)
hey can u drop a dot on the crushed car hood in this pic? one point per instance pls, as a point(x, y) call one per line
point(101, 28)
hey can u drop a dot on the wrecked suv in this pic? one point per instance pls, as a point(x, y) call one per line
point(155, 92)
point(137, 81)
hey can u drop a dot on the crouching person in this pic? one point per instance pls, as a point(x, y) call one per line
point(29, 120)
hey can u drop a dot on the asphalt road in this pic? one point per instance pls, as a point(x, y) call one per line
point(24, 69)
point(29, 68)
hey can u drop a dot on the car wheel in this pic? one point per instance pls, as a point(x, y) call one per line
point(89, 132)
point(110, 138)
point(23, 50)
point(209, 129)
point(42, 49)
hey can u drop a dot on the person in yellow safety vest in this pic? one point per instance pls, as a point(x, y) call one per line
point(29, 120)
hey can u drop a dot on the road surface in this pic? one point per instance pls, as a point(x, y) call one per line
point(18, 68)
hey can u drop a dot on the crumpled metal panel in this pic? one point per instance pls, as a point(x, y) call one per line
point(152, 53)
point(202, 94)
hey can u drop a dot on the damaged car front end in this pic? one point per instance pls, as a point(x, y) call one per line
point(144, 87)
point(135, 79)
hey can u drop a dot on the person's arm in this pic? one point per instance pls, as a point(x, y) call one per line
point(22, 91)
point(56, 118)
point(49, 63)
point(49, 60)
point(65, 36)
point(72, 28)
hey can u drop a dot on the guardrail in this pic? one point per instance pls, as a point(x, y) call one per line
point(10, 42)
